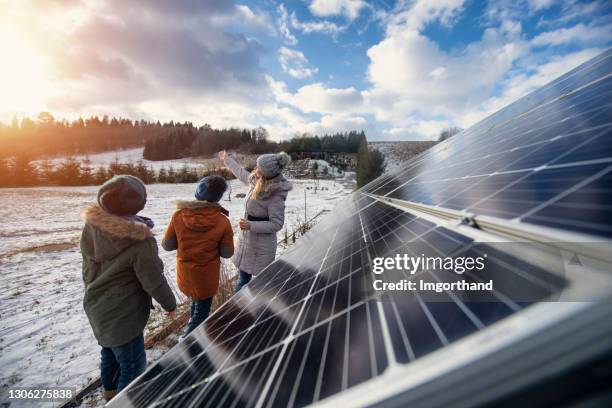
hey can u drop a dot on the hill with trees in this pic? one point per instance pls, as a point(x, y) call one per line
point(23, 142)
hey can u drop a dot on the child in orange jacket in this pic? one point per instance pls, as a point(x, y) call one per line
point(202, 234)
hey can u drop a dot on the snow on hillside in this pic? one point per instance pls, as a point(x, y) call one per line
point(45, 338)
point(397, 153)
point(323, 168)
point(133, 156)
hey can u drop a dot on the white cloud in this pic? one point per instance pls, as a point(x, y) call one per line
point(519, 83)
point(579, 33)
point(206, 65)
point(418, 129)
point(291, 125)
point(422, 12)
point(283, 26)
point(295, 63)
point(537, 5)
point(316, 98)
point(258, 21)
point(348, 8)
point(321, 26)
point(418, 89)
point(413, 80)
point(410, 73)
point(200, 55)
point(573, 10)
point(286, 117)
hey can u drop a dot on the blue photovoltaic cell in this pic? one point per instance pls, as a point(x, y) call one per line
point(310, 325)
point(515, 166)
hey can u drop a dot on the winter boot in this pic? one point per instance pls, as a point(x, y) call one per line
point(109, 394)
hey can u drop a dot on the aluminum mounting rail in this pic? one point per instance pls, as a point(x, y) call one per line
point(584, 244)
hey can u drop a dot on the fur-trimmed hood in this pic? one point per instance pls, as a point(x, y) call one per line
point(115, 225)
point(193, 204)
point(200, 215)
point(182, 204)
point(106, 235)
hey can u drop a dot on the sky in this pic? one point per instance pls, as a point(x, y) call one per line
point(400, 70)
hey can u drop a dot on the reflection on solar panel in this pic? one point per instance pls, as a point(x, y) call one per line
point(310, 328)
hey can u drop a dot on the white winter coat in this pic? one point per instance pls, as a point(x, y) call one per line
point(257, 246)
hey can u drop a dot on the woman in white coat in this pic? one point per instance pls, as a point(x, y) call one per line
point(264, 213)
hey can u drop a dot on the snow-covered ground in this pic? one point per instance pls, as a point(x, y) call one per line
point(133, 156)
point(45, 338)
point(398, 152)
point(323, 168)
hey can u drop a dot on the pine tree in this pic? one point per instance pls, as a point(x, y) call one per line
point(47, 172)
point(183, 175)
point(69, 172)
point(370, 164)
point(162, 175)
point(362, 165)
point(115, 168)
point(171, 177)
point(143, 173)
point(86, 177)
point(4, 173)
point(24, 172)
point(377, 164)
point(101, 175)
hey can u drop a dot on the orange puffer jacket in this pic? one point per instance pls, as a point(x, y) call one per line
point(202, 233)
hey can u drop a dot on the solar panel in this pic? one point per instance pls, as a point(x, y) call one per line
point(311, 328)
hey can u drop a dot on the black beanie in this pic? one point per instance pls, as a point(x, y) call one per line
point(122, 195)
point(211, 189)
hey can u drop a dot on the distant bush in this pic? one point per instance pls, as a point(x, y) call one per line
point(448, 133)
point(370, 165)
point(348, 142)
point(21, 172)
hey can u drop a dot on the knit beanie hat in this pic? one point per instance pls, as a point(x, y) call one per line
point(211, 189)
point(271, 165)
point(122, 195)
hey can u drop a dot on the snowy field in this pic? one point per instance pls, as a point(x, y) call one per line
point(45, 339)
point(133, 156)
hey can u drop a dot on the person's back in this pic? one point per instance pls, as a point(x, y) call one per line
point(202, 234)
point(122, 273)
point(119, 257)
point(201, 231)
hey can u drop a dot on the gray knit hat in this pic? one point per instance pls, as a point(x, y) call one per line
point(271, 165)
point(122, 195)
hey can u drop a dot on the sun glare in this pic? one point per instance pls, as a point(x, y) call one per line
point(24, 81)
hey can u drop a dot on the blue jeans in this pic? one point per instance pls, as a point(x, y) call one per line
point(120, 365)
point(243, 279)
point(198, 313)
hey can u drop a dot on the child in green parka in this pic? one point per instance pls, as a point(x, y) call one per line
point(122, 272)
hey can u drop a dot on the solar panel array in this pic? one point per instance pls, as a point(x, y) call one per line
point(311, 326)
point(544, 160)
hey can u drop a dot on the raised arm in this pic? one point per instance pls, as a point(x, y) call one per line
point(239, 171)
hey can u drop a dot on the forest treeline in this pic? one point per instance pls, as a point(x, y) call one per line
point(48, 137)
point(189, 141)
point(23, 142)
point(20, 172)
